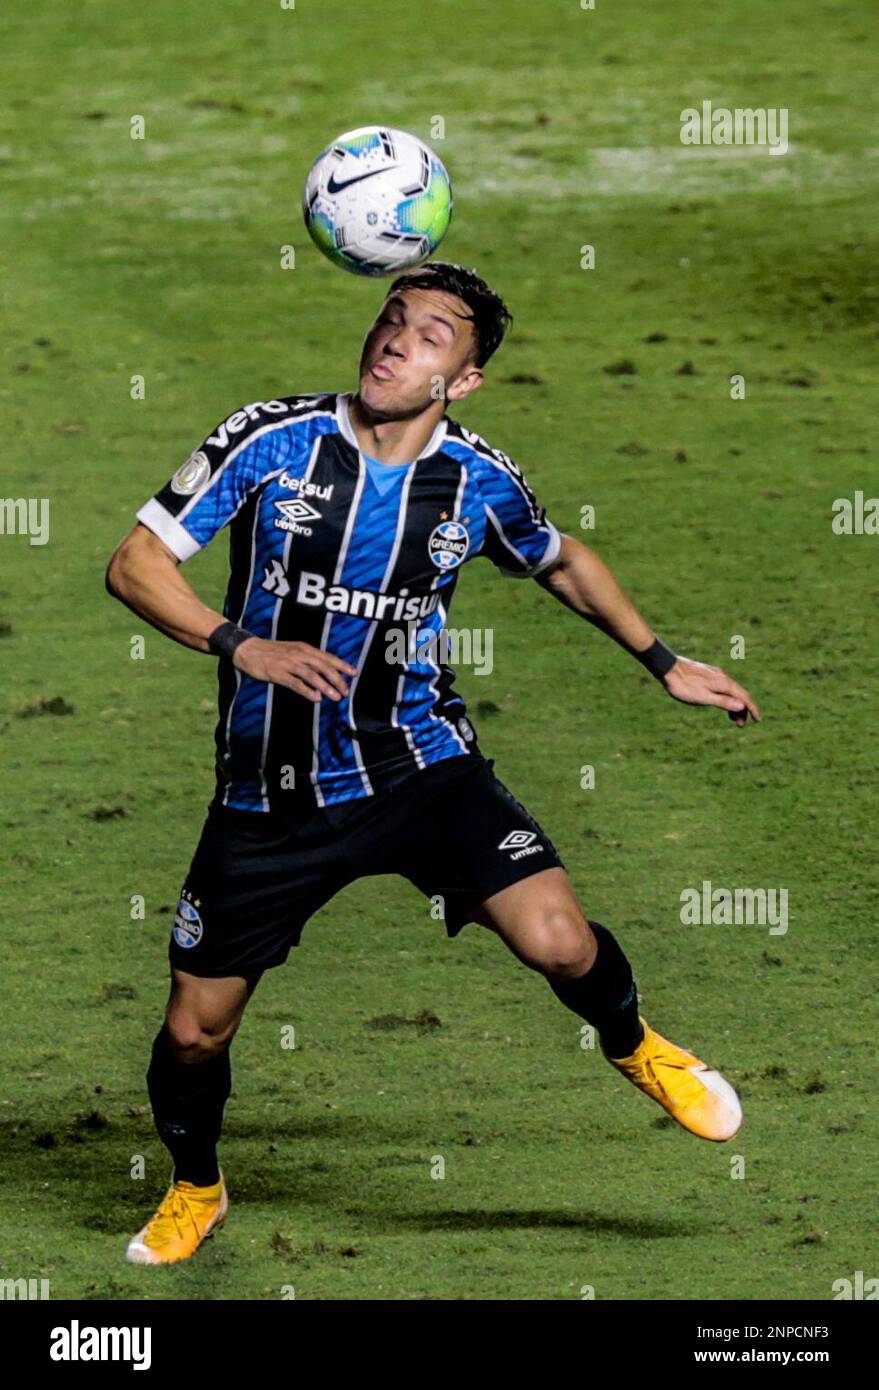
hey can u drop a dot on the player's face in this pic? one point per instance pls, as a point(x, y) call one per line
point(420, 349)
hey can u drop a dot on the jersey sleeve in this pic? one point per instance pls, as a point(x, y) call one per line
point(519, 537)
point(213, 484)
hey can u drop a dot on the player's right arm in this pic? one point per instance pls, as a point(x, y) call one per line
point(203, 496)
point(144, 574)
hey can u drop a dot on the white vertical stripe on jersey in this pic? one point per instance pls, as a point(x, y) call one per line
point(364, 651)
point(238, 620)
point(441, 718)
point(238, 674)
point(404, 728)
point(267, 719)
point(244, 609)
point(340, 563)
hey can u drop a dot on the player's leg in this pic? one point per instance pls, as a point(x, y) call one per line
point(189, 1081)
point(254, 881)
point(189, 1077)
point(461, 836)
point(541, 921)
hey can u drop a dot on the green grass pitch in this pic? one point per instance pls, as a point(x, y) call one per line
point(161, 258)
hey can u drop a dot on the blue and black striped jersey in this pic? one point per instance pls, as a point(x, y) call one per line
point(330, 548)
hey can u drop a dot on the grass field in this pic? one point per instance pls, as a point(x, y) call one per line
point(161, 258)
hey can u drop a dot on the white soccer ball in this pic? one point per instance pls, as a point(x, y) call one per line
point(377, 201)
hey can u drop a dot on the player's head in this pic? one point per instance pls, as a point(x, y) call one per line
point(436, 330)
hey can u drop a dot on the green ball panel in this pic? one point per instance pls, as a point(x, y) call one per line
point(428, 214)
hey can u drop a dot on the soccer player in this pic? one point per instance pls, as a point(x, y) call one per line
point(343, 749)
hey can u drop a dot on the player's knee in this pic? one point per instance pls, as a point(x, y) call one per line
point(565, 948)
point(192, 1042)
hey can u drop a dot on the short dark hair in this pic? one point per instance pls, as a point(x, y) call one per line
point(489, 314)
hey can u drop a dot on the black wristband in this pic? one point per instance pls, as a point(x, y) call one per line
point(227, 638)
point(658, 659)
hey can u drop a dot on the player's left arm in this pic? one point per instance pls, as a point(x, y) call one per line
point(583, 582)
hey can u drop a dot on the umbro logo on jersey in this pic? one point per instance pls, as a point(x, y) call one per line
point(294, 514)
point(520, 843)
point(299, 510)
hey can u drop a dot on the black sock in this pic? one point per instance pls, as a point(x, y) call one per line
point(606, 996)
point(187, 1100)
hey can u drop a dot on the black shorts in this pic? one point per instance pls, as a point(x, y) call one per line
point(452, 829)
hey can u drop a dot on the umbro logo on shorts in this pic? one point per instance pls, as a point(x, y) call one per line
point(520, 843)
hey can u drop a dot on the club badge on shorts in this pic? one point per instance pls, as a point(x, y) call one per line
point(188, 926)
point(448, 544)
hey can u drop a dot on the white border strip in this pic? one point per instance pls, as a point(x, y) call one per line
point(168, 529)
point(340, 564)
point(276, 614)
point(364, 650)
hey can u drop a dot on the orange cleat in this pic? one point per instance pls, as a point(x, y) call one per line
point(700, 1099)
point(187, 1216)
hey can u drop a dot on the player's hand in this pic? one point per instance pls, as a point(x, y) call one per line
point(305, 669)
point(694, 683)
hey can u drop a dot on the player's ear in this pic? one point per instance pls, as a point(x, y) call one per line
point(470, 380)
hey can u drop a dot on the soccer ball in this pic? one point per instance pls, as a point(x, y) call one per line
point(377, 201)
